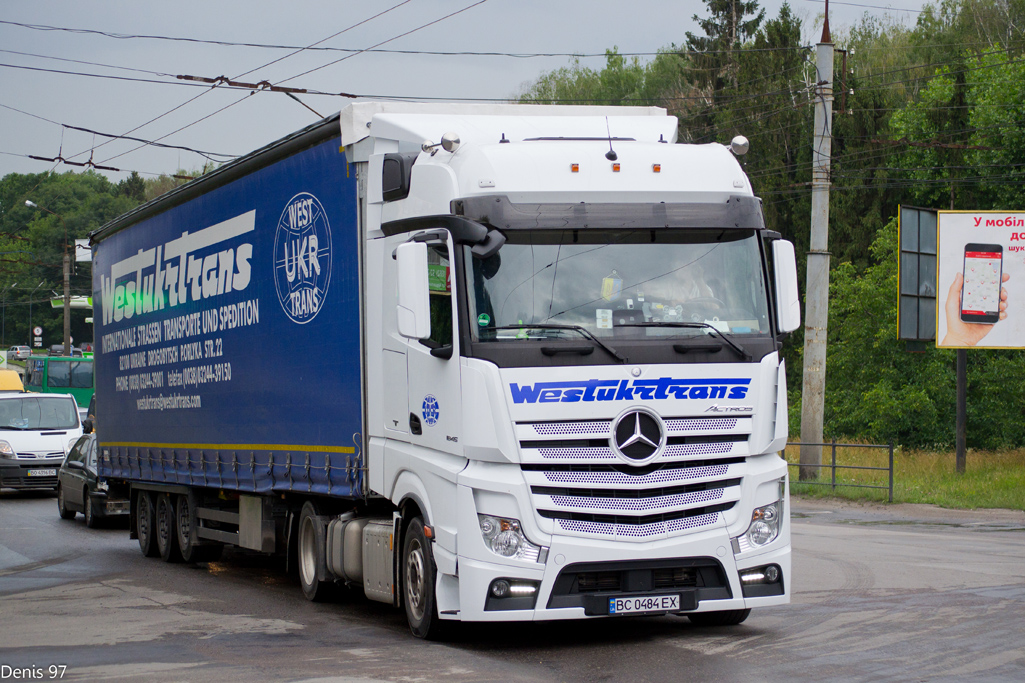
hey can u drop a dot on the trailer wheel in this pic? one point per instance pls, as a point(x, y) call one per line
point(62, 505)
point(166, 538)
point(183, 530)
point(310, 550)
point(418, 579)
point(725, 618)
point(145, 523)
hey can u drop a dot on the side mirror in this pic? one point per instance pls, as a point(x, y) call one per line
point(76, 465)
point(414, 306)
point(788, 300)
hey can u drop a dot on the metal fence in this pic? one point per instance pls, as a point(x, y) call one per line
point(834, 467)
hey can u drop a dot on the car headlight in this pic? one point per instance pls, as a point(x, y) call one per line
point(764, 528)
point(71, 444)
point(504, 537)
point(102, 485)
point(6, 451)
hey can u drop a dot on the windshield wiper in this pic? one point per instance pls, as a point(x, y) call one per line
point(741, 351)
point(13, 429)
point(578, 328)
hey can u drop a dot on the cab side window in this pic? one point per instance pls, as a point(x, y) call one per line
point(439, 274)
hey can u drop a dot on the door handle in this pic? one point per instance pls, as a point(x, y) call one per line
point(414, 425)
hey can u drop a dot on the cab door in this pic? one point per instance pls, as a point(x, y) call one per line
point(432, 364)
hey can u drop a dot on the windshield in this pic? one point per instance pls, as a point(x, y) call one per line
point(38, 412)
point(619, 284)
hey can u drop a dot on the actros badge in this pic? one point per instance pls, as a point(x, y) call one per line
point(302, 258)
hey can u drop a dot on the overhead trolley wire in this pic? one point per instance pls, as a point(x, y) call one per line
point(443, 53)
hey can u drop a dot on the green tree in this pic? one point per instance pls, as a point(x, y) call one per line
point(729, 25)
point(33, 241)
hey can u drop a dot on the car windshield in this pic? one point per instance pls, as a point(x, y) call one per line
point(38, 412)
point(619, 283)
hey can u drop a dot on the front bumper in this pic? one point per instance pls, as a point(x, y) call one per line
point(580, 576)
point(25, 474)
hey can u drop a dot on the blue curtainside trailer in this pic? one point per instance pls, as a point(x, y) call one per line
point(215, 366)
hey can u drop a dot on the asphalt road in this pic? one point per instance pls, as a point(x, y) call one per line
point(898, 593)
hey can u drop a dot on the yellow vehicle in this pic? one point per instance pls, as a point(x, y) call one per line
point(10, 381)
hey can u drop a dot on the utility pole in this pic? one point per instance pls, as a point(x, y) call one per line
point(67, 297)
point(816, 313)
point(67, 276)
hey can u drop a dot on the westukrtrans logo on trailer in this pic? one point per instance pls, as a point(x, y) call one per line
point(302, 257)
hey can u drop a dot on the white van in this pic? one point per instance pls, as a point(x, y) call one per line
point(36, 432)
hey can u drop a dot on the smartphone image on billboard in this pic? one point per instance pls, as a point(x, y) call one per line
point(980, 293)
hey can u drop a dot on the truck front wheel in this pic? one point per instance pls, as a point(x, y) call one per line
point(144, 523)
point(418, 578)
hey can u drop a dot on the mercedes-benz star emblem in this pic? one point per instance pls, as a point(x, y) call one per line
point(638, 435)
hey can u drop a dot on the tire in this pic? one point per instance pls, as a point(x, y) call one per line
point(726, 618)
point(145, 524)
point(310, 556)
point(418, 580)
point(92, 518)
point(164, 531)
point(62, 505)
point(183, 530)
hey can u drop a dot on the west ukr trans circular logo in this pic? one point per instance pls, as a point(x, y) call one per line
point(302, 258)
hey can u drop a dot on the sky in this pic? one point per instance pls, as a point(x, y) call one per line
point(42, 112)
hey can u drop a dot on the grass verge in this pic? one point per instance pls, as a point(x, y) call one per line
point(993, 479)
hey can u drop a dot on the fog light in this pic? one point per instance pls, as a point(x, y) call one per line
point(512, 588)
point(512, 594)
point(767, 574)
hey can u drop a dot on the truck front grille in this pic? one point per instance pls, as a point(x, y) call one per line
point(578, 481)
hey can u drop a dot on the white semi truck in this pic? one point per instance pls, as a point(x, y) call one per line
point(527, 371)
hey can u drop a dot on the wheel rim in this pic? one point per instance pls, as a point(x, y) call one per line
point(415, 580)
point(308, 552)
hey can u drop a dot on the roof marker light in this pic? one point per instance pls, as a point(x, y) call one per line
point(574, 168)
point(656, 168)
point(615, 168)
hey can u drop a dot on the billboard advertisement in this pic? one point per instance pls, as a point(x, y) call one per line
point(981, 280)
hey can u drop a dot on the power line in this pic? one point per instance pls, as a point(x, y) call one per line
point(442, 53)
point(208, 155)
point(855, 4)
point(383, 42)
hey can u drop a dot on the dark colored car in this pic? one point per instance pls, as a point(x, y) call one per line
point(81, 489)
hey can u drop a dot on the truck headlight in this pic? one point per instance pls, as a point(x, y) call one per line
point(504, 537)
point(5, 450)
point(764, 528)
